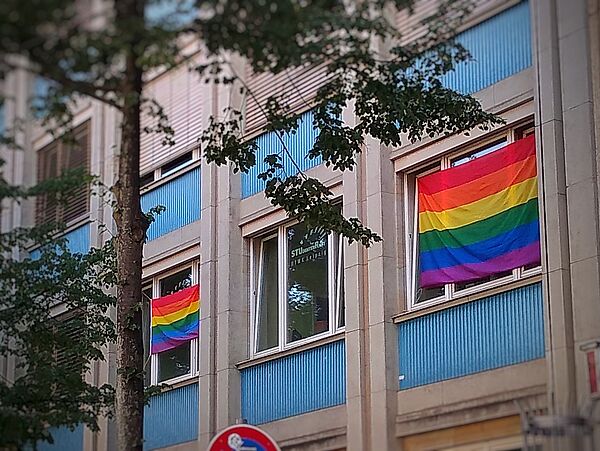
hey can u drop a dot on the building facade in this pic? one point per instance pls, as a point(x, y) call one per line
point(370, 361)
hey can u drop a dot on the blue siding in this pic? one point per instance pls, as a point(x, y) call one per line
point(180, 197)
point(78, 240)
point(500, 46)
point(298, 144)
point(65, 439)
point(171, 418)
point(295, 384)
point(500, 330)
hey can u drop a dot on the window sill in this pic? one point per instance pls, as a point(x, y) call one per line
point(426, 310)
point(293, 349)
point(173, 384)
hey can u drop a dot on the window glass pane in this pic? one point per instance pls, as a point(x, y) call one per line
point(176, 282)
point(146, 298)
point(175, 165)
point(268, 310)
point(307, 291)
point(174, 362)
point(473, 283)
point(478, 153)
point(340, 284)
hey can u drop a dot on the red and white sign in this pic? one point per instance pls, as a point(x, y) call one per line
point(242, 437)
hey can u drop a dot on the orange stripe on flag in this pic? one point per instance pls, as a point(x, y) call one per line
point(478, 189)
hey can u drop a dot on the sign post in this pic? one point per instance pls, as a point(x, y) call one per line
point(242, 437)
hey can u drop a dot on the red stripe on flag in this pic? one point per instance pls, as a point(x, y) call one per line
point(591, 359)
point(480, 167)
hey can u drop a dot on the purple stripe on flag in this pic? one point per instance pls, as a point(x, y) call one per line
point(520, 257)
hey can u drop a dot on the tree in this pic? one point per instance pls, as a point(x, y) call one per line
point(51, 353)
point(394, 89)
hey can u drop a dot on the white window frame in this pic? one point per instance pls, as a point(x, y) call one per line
point(159, 175)
point(335, 268)
point(194, 349)
point(411, 224)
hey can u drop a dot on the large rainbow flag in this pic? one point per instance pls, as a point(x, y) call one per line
point(175, 319)
point(480, 218)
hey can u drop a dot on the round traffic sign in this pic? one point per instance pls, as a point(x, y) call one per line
point(242, 437)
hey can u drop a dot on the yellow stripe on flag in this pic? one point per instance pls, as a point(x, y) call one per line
point(175, 316)
point(453, 218)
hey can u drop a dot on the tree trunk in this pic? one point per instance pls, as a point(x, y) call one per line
point(131, 230)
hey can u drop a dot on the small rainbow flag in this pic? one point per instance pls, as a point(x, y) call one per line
point(480, 218)
point(175, 319)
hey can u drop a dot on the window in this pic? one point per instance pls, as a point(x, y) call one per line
point(419, 296)
point(53, 160)
point(297, 287)
point(180, 362)
point(170, 167)
point(2, 118)
point(176, 14)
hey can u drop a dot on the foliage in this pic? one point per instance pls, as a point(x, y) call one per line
point(391, 88)
point(54, 324)
point(394, 88)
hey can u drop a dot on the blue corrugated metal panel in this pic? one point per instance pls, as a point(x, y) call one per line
point(298, 144)
point(295, 384)
point(500, 46)
point(78, 240)
point(171, 418)
point(180, 197)
point(500, 330)
point(65, 439)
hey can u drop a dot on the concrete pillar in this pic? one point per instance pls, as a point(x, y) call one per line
point(383, 294)
point(568, 170)
point(232, 303)
point(356, 302)
point(553, 207)
point(581, 178)
point(224, 311)
point(208, 291)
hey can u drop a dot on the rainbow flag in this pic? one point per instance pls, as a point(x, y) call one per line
point(480, 218)
point(175, 319)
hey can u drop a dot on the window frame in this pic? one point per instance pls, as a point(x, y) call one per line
point(411, 224)
point(59, 151)
point(153, 178)
point(334, 287)
point(152, 359)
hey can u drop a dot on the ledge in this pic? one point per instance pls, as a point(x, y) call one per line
point(477, 408)
point(312, 427)
point(293, 350)
point(511, 98)
point(255, 208)
point(179, 384)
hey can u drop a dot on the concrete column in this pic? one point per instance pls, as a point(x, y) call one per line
point(568, 168)
point(383, 294)
point(356, 302)
point(553, 207)
point(208, 288)
point(224, 315)
point(232, 305)
point(581, 178)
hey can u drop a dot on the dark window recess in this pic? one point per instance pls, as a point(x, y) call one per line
point(58, 157)
point(145, 180)
point(177, 163)
point(525, 131)
point(68, 331)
